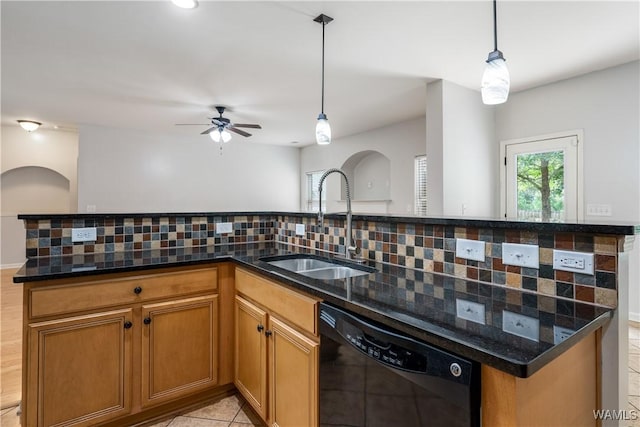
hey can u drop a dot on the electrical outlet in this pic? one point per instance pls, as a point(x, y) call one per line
point(87, 234)
point(522, 255)
point(560, 334)
point(521, 325)
point(578, 262)
point(469, 310)
point(470, 249)
point(300, 230)
point(224, 227)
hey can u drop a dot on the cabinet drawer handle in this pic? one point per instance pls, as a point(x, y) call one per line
point(260, 328)
point(128, 325)
point(267, 333)
point(147, 320)
point(137, 290)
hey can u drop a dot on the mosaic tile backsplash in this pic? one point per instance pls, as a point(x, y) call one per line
point(422, 247)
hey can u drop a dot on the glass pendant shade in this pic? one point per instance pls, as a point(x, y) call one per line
point(323, 130)
point(495, 82)
point(215, 135)
point(226, 136)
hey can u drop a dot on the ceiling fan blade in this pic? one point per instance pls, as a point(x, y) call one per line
point(208, 131)
point(241, 125)
point(238, 131)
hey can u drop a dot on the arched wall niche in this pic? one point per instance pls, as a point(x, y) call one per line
point(369, 173)
point(35, 189)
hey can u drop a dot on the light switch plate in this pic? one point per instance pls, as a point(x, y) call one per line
point(521, 325)
point(224, 227)
point(470, 249)
point(577, 262)
point(522, 255)
point(469, 310)
point(87, 234)
point(300, 230)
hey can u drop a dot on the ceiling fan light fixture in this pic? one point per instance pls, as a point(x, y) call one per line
point(185, 4)
point(29, 125)
point(323, 128)
point(215, 135)
point(495, 79)
point(225, 135)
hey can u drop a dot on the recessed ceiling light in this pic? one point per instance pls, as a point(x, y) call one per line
point(29, 125)
point(186, 4)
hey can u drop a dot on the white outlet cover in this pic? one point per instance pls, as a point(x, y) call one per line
point(577, 262)
point(470, 249)
point(560, 334)
point(87, 234)
point(521, 255)
point(469, 310)
point(521, 325)
point(300, 230)
point(224, 227)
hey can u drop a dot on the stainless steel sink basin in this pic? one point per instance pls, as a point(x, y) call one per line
point(323, 269)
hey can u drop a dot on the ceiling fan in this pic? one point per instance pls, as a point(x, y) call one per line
point(220, 127)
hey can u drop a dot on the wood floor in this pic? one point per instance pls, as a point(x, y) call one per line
point(11, 339)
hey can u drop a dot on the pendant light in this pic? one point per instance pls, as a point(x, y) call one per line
point(323, 129)
point(495, 80)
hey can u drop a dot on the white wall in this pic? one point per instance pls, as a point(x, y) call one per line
point(122, 170)
point(462, 154)
point(606, 105)
point(38, 173)
point(399, 142)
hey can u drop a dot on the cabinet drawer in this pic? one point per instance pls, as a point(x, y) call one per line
point(94, 294)
point(298, 309)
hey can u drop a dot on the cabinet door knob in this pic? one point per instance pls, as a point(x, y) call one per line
point(128, 324)
point(267, 333)
point(260, 328)
point(137, 290)
point(147, 320)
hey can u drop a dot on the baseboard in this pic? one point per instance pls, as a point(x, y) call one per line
point(634, 317)
point(7, 266)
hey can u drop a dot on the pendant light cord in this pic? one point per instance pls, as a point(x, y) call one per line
point(322, 104)
point(495, 27)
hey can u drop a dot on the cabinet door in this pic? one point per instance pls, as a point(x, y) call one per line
point(79, 369)
point(250, 368)
point(293, 377)
point(179, 348)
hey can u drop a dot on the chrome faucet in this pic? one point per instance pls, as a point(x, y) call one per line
point(350, 248)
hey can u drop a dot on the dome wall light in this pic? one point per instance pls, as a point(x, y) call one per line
point(186, 4)
point(323, 129)
point(495, 79)
point(29, 125)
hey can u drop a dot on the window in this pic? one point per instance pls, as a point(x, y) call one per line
point(541, 179)
point(421, 185)
point(313, 179)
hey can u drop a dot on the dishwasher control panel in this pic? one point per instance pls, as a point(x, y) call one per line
point(387, 353)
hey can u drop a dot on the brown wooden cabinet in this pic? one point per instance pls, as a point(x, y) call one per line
point(102, 348)
point(80, 369)
point(277, 351)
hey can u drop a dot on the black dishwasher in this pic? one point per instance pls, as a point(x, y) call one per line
point(370, 376)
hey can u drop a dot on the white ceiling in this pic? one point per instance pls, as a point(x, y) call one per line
point(148, 65)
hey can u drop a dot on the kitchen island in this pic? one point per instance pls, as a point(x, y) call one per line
point(416, 302)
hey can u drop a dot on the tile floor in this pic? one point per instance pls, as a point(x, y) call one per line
point(234, 411)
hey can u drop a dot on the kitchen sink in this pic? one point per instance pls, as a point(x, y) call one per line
point(316, 268)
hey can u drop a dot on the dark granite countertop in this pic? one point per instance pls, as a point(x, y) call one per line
point(420, 304)
point(622, 228)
